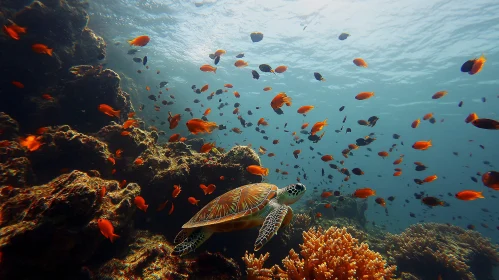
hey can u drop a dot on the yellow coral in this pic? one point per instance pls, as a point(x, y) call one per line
point(330, 254)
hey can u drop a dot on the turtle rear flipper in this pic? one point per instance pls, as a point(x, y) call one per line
point(271, 224)
point(190, 243)
point(182, 235)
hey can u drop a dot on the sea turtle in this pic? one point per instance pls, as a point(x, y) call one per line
point(241, 208)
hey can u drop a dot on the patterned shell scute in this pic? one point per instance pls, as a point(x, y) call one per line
point(234, 204)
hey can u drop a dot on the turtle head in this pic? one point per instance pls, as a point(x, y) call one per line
point(291, 193)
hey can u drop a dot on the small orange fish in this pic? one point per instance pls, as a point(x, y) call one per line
point(305, 125)
point(430, 178)
point(279, 100)
point(176, 190)
point(360, 62)
point(327, 158)
point(47, 96)
point(205, 88)
point(267, 88)
point(257, 170)
point(326, 194)
point(262, 121)
point(228, 86)
point(469, 195)
point(140, 41)
point(280, 69)
point(18, 84)
point(222, 178)
point(129, 123)
point(196, 126)
point(148, 88)
point(383, 154)
point(193, 200)
point(271, 155)
point(422, 145)
point(208, 68)
point(240, 63)
point(327, 205)
point(11, 32)
point(477, 65)
point(491, 180)
point(125, 133)
point(118, 153)
point(220, 52)
point(353, 146)
point(415, 123)
point(364, 193)
point(471, 117)
point(237, 130)
point(122, 184)
point(171, 209)
point(138, 161)
point(397, 173)
point(318, 126)
point(305, 109)
point(174, 137)
point(208, 189)
point(111, 160)
point(427, 116)
point(235, 111)
point(207, 112)
point(107, 229)
point(42, 49)
point(102, 192)
point(173, 120)
point(131, 114)
point(140, 203)
point(108, 110)
point(182, 139)
point(207, 147)
point(318, 215)
point(296, 153)
point(398, 161)
point(31, 142)
point(439, 94)
point(364, 95)
point(236, 94)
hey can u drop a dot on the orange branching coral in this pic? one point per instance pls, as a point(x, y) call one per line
point(331, 254)
point(254, 267)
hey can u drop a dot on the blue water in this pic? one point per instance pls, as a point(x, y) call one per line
point(414, 48)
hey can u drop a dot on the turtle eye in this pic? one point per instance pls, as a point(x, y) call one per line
point(299, 187)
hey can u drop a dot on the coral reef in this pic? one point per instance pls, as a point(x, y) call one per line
point(327, 254)
point(431, 249)
point(54, 226)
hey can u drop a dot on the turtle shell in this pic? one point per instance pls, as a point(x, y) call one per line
point(234, 204)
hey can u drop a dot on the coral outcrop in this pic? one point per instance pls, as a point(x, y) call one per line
point(327, 254)
point(429, 250)
point(53, 227)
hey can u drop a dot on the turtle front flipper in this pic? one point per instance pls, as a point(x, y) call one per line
point(271, 224)
point(191, 242)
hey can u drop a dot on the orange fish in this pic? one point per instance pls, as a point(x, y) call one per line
point(122, 184)
point(415, 123)
point(208, 68)
point(430, 178)
point(428, 116)
point(176, 190)
point(364, 95)
point(325, 194)
point(129, 123)
point(139, 41)
point(305, 109)
point(196, 126)
point(108, 110)
point(327, 158)
point(471, 117)
point(478, 65)
point(228, 86)
point(162, 206)
point(207, 147)
point(102, 191)
point(125, 133)
point(148, 88)
point(174, 137)
point(262, 121)
point(107, 229)
point(279, 100)
point(267, 88)
point(360, 62)
point(491, 180)
point(111, 160)
point(364, 193)
point(207, 112)
point(42, 49)
point(318, 126)
point(422, 145)
point(11, 32)
point(205, 88)
point(237, 130)
point(193, 200)
point(18, 84)
point(236, 94)
point(318, 215)
point(383, 154)
point(469, 195)
point(281, 69)
point(380, 201)
point(235, 111)
point(222, 178)
point(327, 205)
point(182, 139)
point(220, 52)
point(173, 120)
point(439, 94)
point(18, 29)
point(208, 189)
point(397, 173)
point(47, 96)
point(240, 63)
point(171, 209)
point(138, 161)
point(296, 153)
point(275, 142)
point(257, 170)
point(271, 155)
point(131, 114)
point(118, 153)
point(140, 203)
point(31, 142)
point(398, 161)
point(303, 126)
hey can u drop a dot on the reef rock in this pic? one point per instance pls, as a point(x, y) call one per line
point(52, 229)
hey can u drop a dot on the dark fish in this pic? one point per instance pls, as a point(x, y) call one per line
point(141, 107)
point(279, 111)
point(474, 179)
point(460, 104)
point(432, 120)
point(237, 104)
point(132, 51)
point(467, 66)
point(250, 113)
point(285, 125)
point(241, 55)
point(217, 59)
point(471, 227)
point(249, 124)
point(357, 171)
point(256, 36)
point(342, 108)
point(412, 214)
point(266, 137)
point(484, 99)
point(418, 181)
point(311, 148)
point(482, 146)
point(212, 55)
point(343, 36)
point(420, 168)
point(391, 198)
point(395, 136)
point(257, 129)
point(198, 91)
point(486, 124)
point(170, 102)
point(219, 91)
point(144, 60)
point(164, 102)
point(348, 130)
point(265, 68)
point(330, 176)
point(222, 127)
point(162, 84)
point(139, 71)
point(152, 97)
point(193, 87)
point(322, 171)
point(137, 59)
point(432, 201)
point(255, 74)
point(204, 118)
point(318, 76)
point(344, 120)
point(257, 108)
point(196, 101)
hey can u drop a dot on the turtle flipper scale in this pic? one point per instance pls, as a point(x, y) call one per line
point(191, 242)
point(182, 235)
point(271, 225)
